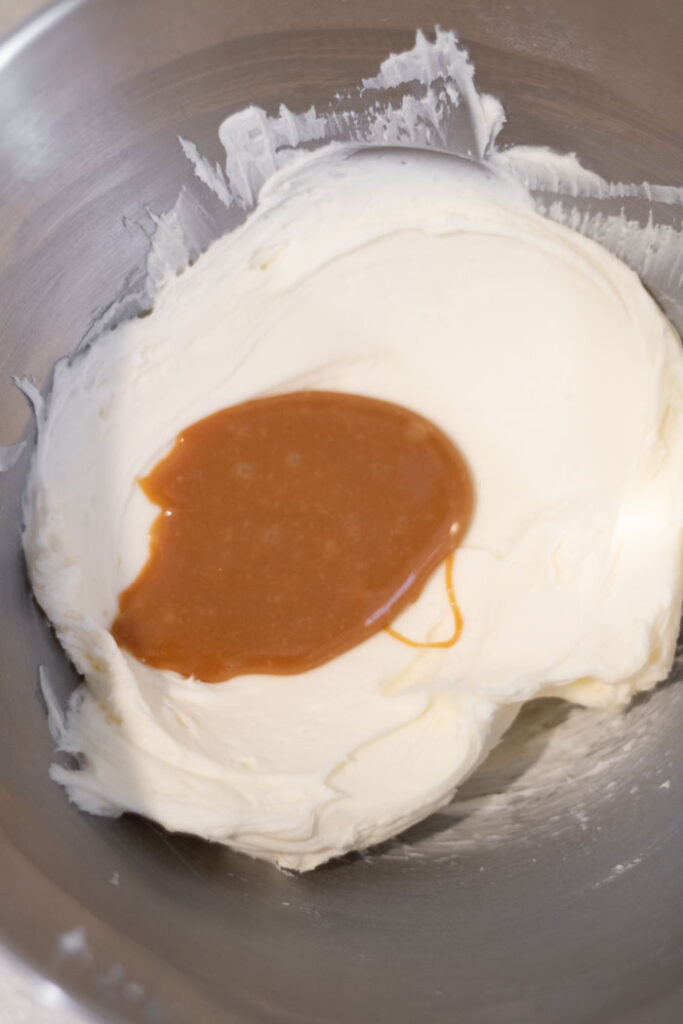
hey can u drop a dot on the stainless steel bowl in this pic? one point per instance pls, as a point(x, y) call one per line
point(547, 914)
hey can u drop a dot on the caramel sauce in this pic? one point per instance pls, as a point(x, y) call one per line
point(292, 528)
point(457, 617)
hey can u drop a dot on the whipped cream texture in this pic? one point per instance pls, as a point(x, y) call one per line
point(433, 282)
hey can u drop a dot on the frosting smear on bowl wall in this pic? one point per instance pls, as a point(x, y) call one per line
point(371, 273)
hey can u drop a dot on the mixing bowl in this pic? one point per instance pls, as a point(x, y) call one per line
point(551, 891)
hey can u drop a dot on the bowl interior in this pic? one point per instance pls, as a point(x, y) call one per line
point(550, 890)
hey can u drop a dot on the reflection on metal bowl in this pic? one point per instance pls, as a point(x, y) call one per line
point(550, 890)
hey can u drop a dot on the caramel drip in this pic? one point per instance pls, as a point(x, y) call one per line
point(457, 616)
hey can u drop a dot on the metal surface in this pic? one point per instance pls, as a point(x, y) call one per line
point(542, 927)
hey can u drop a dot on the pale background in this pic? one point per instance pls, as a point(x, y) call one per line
point(13, 12)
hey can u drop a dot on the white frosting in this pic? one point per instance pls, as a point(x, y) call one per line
point(433, 283)
point(426, 98)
